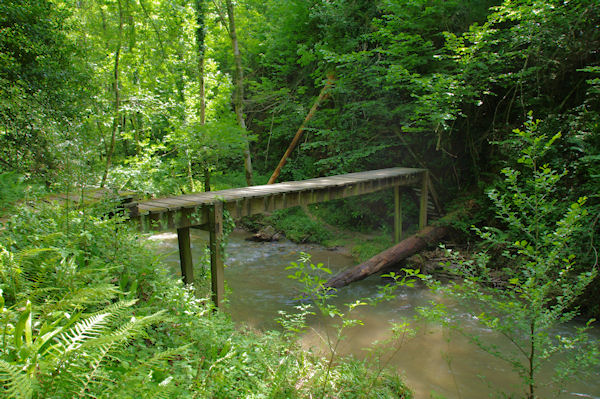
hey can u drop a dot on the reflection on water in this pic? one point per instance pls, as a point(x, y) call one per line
point(435, 360)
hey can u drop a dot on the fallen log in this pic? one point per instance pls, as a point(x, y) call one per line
point(389, 257)
point(405, 248)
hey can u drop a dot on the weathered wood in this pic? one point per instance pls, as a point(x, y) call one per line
point(424, 202)
point(397, 214)
point(216, 253)
point(407, 247)
point(322, 96)
point(434, 197)
point(258, 199)
point(391, 256)
point(185, 255)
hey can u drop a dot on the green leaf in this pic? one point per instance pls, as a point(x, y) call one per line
point(24, 326)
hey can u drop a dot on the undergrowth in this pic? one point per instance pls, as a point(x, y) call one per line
point(89, 311)
point(298, 226)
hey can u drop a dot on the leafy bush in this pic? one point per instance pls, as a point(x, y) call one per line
point(13, 188)
point(534, 245)
point(298, 227)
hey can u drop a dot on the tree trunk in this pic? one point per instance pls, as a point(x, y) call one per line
point(117, 119)
point(206, 179)
point(389, 257)
point(400, 251)
point(238, 98)
point(201, 44)
point(322, 96)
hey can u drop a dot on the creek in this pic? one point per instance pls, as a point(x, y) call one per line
point(436, 361)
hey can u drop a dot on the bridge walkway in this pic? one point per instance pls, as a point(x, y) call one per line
point(205, 210)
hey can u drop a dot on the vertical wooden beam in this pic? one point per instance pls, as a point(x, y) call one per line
point(185, 255)
point(216, 252)
point(423, 204)
point(397, 214)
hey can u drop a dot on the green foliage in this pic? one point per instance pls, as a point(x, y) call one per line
point(41, 91)
point(369, 247)
point(14, 188)
point(298, 227)
point(87, 311)
point(362, 213)
point(534, 246)
point(314, 289)
point(63, 325)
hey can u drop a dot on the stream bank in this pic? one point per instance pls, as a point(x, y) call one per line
point(434, 361)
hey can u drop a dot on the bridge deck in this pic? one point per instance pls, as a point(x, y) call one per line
point(205, 210)
point(193, 209)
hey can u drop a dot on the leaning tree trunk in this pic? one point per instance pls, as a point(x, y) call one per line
point(322, 96)
point(238, 99)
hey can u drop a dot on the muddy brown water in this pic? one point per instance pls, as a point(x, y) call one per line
point(435, 362)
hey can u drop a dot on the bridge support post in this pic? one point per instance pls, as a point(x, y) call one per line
point(185, 255)
point(215, 220)
point(423, 202)
point(397, 214)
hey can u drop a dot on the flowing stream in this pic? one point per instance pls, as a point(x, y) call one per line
point(435, 361)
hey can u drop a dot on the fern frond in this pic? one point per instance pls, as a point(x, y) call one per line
point(164, 392)
point(93, 371)
point(13, 382)
point(27, 253)
point(110, 343)
point(159, 358)
point(84, 330)
point(117, 309)
point(88, 329)
point(39, 295)
point(83, 296)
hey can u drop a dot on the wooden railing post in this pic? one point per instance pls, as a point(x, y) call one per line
point(397, 214)
point(216, 252)
point(185, 255)
point(424, 197)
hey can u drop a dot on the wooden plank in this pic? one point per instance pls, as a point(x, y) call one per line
point(149, 207)
point(216, 253)
point(185, 255)
point(423, 201)
point(178, 201)
point(171, 206)
point(397, 214)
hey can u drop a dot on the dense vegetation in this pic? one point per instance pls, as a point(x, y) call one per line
point(171, 96)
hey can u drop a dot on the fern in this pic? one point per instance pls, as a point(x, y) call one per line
point(81, 297)
point(158, 359)
point(15, 383)
point(108, 344)
point(82, 331)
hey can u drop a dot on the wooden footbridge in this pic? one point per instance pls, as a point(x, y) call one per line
point(205, 210)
